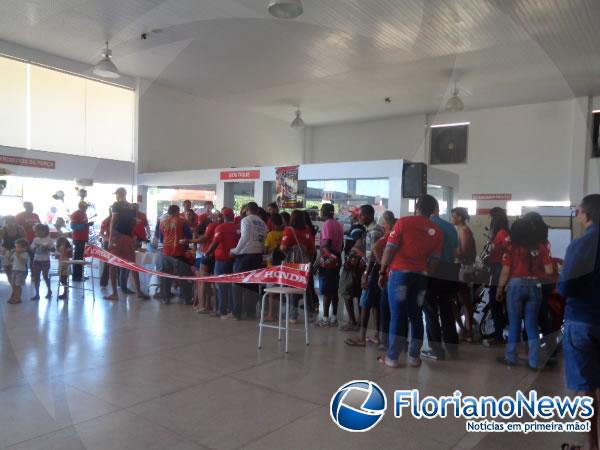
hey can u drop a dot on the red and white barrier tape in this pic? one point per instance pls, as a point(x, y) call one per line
point(291, 275)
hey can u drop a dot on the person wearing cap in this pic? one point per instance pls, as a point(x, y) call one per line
point(80, 227)
point(225, 239)
point(122, 243)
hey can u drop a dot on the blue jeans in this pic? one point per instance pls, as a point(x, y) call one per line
point(224, 290)
point(581, 344)
point(523, 300)
point(406, 295)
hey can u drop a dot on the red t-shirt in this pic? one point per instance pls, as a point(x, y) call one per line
point(525, 263)
point(27, 221)
point(209, 234)
point(79, 233)
point(227, 236)
point(105, 227)
point(141, 223)
point(418, 239)
point(305, 238)
point(172, 232)
point(499, 244)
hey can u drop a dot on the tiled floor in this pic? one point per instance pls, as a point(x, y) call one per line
point(141, 375)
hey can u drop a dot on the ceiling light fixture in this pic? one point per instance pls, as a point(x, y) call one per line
point(298, 122)
point(105, 67)
point(285, 9)
point(454, 103)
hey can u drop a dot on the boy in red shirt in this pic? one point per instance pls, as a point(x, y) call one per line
point(225, 239)
point(410, 253)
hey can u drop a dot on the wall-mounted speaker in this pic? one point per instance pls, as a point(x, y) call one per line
point(414, 179)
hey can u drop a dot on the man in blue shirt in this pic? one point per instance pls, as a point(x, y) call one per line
point(580, 283)
point(442, 285)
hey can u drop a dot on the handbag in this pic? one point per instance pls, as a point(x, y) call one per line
point(329, 261)
point(296, 254)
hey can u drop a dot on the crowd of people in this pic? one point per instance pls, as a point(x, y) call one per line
point(392, 274)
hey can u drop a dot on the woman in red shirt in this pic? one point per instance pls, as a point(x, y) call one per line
point(525, 263)
point(298, 244)
point(499, 240)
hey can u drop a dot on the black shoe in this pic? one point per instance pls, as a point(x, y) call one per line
point(503, 360)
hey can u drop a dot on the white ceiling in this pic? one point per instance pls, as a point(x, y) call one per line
point(340, 59)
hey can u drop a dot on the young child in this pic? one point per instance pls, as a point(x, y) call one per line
point(41, 246)
point(20, 262)
point(64, 252)
point(274, 256)
point(350, 286)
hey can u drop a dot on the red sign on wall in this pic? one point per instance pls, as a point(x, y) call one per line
point(240, 175)
point(492, 197)
point(27, 162)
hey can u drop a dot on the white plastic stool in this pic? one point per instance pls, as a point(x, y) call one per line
point(288, 292)
point(82, 288)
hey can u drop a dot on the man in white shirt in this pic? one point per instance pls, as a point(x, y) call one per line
point(248, 256)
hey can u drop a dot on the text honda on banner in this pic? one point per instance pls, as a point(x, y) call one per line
point(291, 275)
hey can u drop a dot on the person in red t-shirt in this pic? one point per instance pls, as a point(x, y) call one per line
point(141, 230)
point(413, 245)
point(175, 235)
point(499, 240)
point(298, 244)
point(225, 239)
point(80, 233)
point(203, 238)
point(28, 219)
point(525, 264)
point(204, 218)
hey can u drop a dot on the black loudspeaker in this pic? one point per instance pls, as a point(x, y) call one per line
point(596, 135)
point(449, 144)
point(414, 180)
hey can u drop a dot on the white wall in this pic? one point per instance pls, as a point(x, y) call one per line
point(395, 138)
point(532, 151)
point(179, 131)
point(524, 150)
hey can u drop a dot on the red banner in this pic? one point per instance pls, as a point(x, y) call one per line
point(27, 162)
point(292, 275)
point(240, 175)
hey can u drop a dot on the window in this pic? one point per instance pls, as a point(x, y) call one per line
point(50, 110)
point(347, 195)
